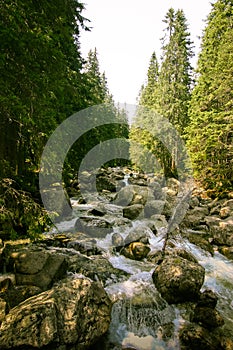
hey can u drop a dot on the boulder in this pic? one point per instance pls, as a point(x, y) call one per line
point(94, 226)
point(133, 194)
point(170, 202)
point(57, 202)
point(15, 295)
point(157, 256)
point(153, 207)
point(97, 211)
point(225, 212)
point(194, 217)
point(117, 240)
point(136, 251)
point(227, 251)
point(208, 299)
point(104, 182)
point(157, 190)
point(207, 317)
point(37, 266)
point(137, 234)
point(3, 309)
point(178, 279)
point(157, 222)
point(221, 230)
point(195, 337)
point(87, 246)
point(96, 267)
point(75, 312)
point(133, 212)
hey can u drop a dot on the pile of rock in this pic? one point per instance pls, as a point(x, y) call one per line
point(53, 296)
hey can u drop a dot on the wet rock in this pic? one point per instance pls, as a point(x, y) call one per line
point(75, 312)
point(37, 266)
point(97, 211)
point(15, 295)
point(157, 222)
point(85, 246)
point(207, 317)
point(178, 280)
point(157, 190)
point(183, 254)
point(117, 240)
point(137, 234)
point(221, 230)
point(104, 182)
point(96, 267)
point(153, 207)
point(157, 257)
point(195, 337)
point(227, 251)
point(93, 226)
point(195, 216)
point(3, 309)
point(208, 299)
point(136, 251)
point(132, 212)
point(133, 194)
point(199, 238)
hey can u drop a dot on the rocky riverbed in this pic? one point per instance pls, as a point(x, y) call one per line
point(103, 279)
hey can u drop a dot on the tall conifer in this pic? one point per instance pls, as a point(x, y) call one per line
point(211, 109)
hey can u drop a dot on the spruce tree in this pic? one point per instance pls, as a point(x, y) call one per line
point(147, 96)
point(211, 122)
point(175, 76)
point(167, 91)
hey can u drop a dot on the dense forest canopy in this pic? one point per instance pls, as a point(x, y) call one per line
point(201, 108)
point(44, 79)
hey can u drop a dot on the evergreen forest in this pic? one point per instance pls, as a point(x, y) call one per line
point(44, 79)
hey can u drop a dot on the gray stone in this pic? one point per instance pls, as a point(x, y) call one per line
point(75, 312)
point(137, 234)
point(37, 266)
point(133, 212)
point(94, 226)
point(153, 207)
point(178, 279)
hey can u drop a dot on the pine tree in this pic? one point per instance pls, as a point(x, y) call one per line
point(174, 82)
point(95, 80)
point(147, 97)
point(167, 91)
point(40, 79)
point(211, 122)
point(41, 84)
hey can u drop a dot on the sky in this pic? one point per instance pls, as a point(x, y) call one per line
point(126, 32)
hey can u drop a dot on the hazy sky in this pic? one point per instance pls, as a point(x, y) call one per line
point(126, 32)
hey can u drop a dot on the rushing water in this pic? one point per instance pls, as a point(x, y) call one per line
point(141, 319)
